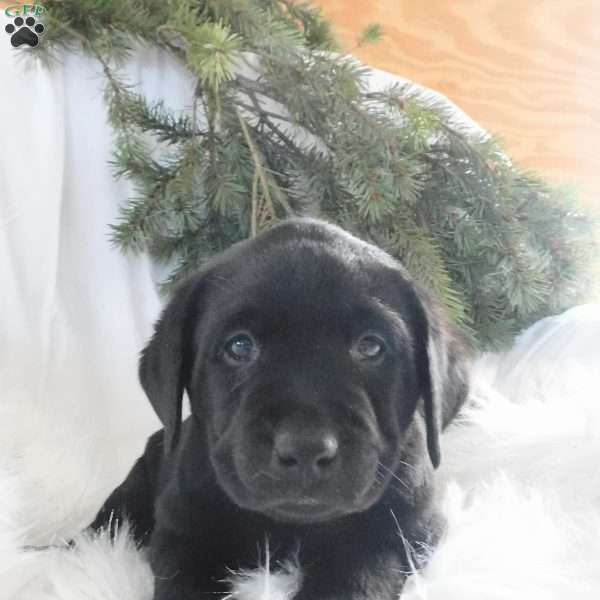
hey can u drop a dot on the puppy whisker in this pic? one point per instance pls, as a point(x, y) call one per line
point(380, 464)
point(403, 462)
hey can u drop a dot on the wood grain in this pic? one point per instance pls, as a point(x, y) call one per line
point(529, 71)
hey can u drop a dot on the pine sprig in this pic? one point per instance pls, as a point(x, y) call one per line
point(371, 34)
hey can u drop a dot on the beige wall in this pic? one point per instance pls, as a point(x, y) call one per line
point(528, 70)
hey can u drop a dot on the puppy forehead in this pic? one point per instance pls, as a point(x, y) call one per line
point(285, 296)
point(314, 284)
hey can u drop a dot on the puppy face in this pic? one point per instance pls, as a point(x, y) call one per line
point(303, 355)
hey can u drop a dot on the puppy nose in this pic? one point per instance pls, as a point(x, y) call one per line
point(315, 451)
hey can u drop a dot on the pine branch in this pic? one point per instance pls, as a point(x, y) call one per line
point(279, 127)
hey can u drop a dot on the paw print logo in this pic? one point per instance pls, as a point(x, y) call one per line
point(24, 31)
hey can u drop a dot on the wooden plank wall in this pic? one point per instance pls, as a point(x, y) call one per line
point(527, 70)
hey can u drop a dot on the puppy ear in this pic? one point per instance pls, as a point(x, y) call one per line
point(166, 362)
point(442, 371)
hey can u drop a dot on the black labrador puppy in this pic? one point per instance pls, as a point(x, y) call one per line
point(319, 377)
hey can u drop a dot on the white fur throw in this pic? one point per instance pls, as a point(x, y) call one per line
point(520, 479)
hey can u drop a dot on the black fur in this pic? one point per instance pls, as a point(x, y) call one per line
point(315, 440)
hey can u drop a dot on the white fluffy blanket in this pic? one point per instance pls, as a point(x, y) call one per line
point(520, 477)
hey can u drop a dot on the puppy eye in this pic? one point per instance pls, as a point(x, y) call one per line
point(241, 348)
point(368, 348)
